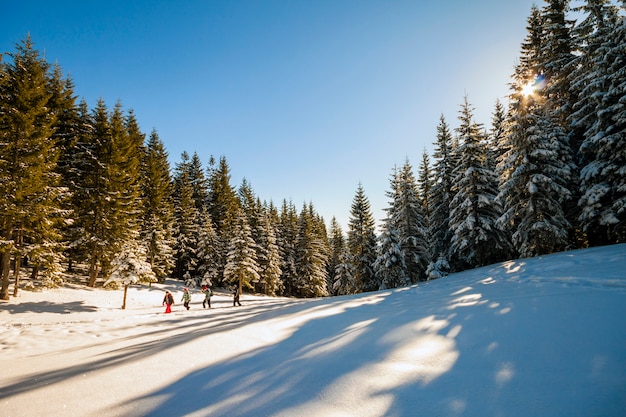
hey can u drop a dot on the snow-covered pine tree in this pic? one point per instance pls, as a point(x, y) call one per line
point(269, 256)
point(405, 216)
point(91, 194)
point(344, 283)
point(534, 175)
point(241, 264)
point(476, 241)
point(287, 237)
point(129, 266)
point(599, 79)
point(557, 60)
point(441, 193)
point(208, 270)
point(424, 189)
point(223, 207)
point(390, 266)
point(537, 170)
point(28, 181)
point(338, 247)
point(199, 182)
point(311, 256)
point(186, 232)
point(362, 242)
point(158, 208)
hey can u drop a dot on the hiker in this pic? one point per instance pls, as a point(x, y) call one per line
point(236, 297)
point(168, 301)
point(186, 298)
point(207, 296)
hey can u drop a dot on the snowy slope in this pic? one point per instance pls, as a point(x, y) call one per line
point(534, 337)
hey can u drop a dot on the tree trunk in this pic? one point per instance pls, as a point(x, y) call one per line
point(93, 272)
point(16, 274)
point(125, 292)
point(35, 273)
point(5, 266)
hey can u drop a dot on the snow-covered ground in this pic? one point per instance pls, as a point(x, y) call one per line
point(534, 337)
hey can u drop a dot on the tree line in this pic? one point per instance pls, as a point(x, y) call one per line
point(87, 186)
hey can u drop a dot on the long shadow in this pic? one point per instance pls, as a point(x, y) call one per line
point(187, 328)
point(305, 365)
point(491, 370)
point(49, 307)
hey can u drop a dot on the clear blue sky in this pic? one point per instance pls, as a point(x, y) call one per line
point(305, 99)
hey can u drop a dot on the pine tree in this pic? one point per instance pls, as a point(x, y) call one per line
point(158, 208)
point(534, 177)
point(362, 242)
point(208, 268)
point(199, 182)
point(600, 114)
point(477, 241)
point(93, 202)
point(441, 193)
point(287, 237)
point(424, 189)
point(186, 233)
point(406, 219)
point(241, 264)
point(311, 256)
point(269, 258)
point(390, 265)
point(338, 247)
point(223, 207)
point(28, 157)
point(344, 283)
point(129, 267)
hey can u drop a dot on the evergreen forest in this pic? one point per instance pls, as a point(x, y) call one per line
point(84, 189)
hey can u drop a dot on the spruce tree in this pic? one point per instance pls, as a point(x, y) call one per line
point(476, 241)
point(534, 177)
point(93, 201)
point(223, 207)
point(390, 265)
point(338, 247)
point(287, 238)
point(208, 268)
point(441, 193)
point(269, 257)
point(158, 208)
point(310, 256)
point(241, 268)
point(186, 233)
point(28, 157)
point(362, 242)
point(406, 219)
point(600, 114)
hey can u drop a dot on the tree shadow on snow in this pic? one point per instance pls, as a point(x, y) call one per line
point(456, 358)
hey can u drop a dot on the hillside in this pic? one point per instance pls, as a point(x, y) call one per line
point(533, 337)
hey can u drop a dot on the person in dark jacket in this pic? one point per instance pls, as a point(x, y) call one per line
point(168, 301)
point(186, 298)
point(236, 297)
point(207, 296)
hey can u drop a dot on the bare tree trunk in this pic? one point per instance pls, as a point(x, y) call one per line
point(5, 266)
point(93, 272)
point(125, 292)
point(16, 274)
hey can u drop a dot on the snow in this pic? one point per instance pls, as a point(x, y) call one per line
point(543, 336)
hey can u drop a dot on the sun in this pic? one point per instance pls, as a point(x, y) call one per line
point(529, 88)
point(533, 86)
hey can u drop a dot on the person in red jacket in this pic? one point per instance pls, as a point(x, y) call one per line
point(168, 301)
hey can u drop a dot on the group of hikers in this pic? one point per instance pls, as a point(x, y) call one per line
point(168, 300)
